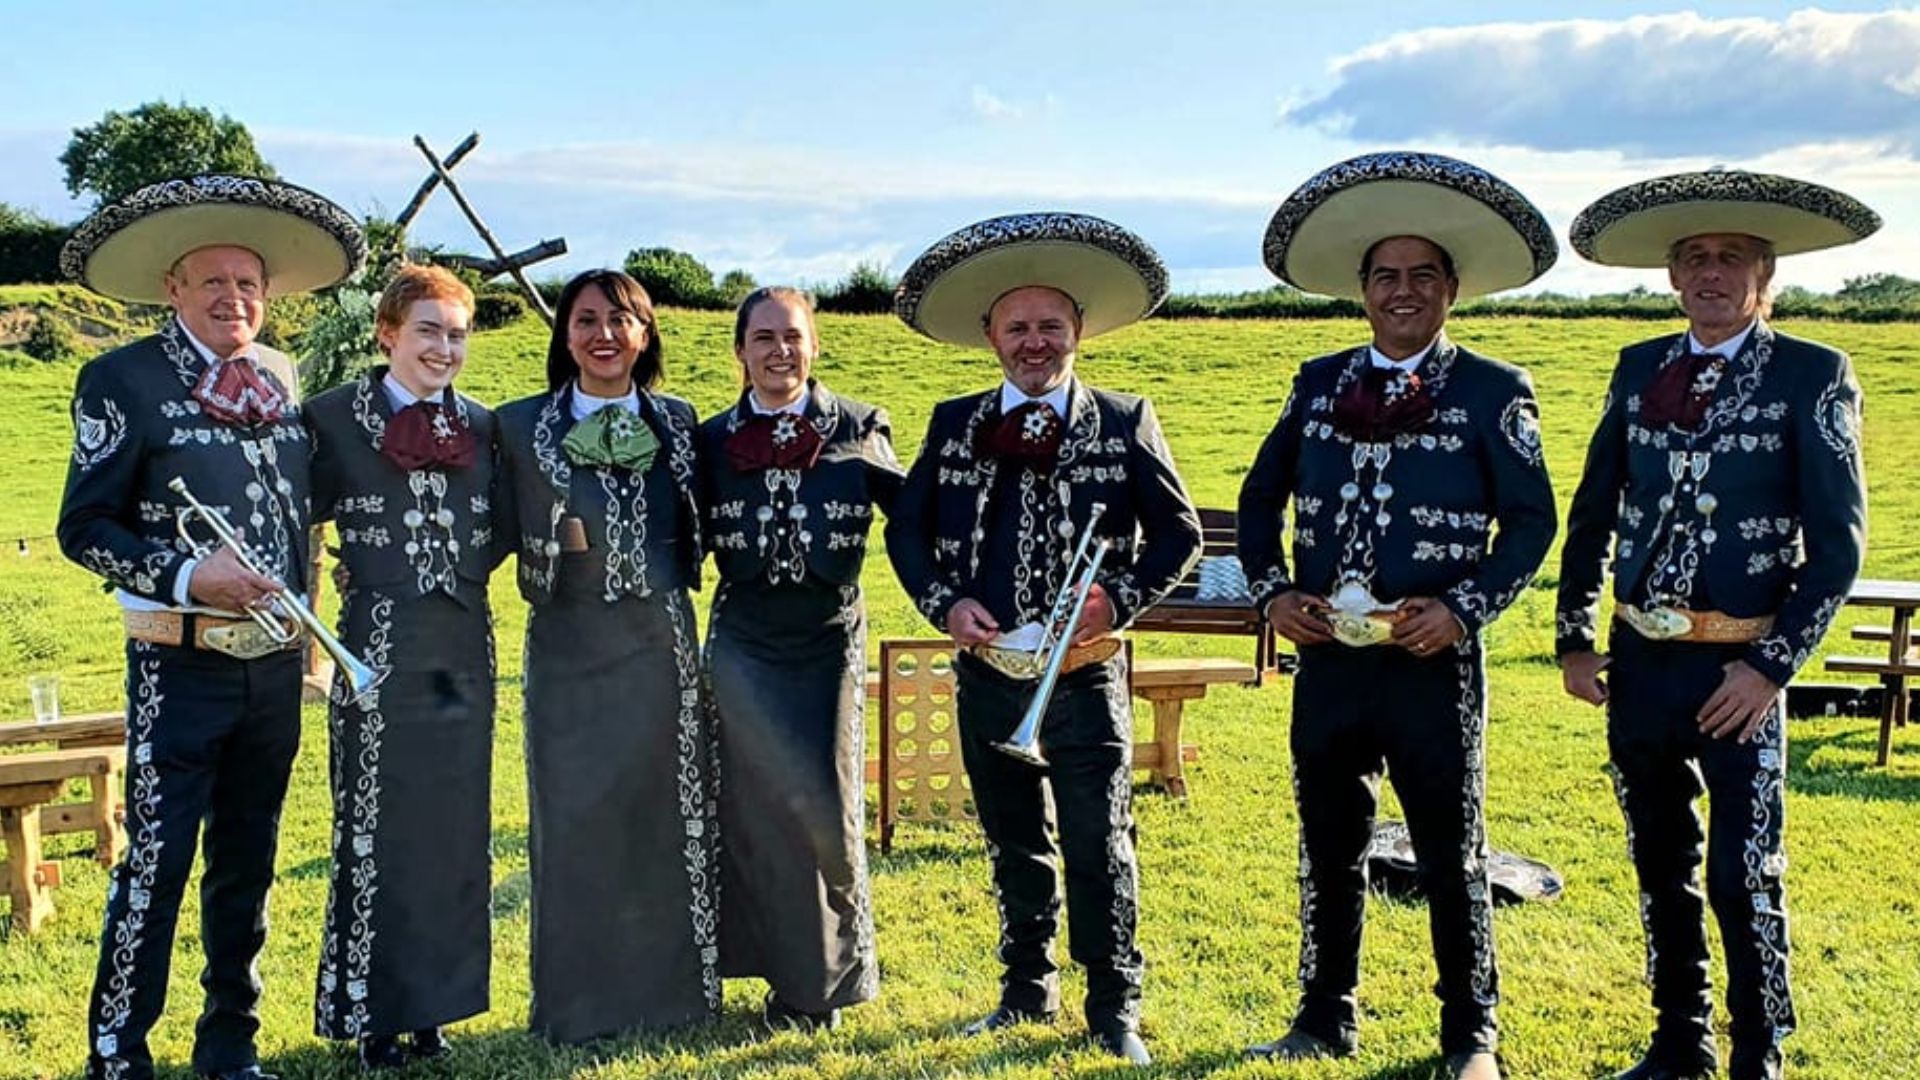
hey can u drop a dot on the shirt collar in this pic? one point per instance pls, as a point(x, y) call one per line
point(798, 406)
point(1012, 397)
point(251, 352)
point(400, 397)
point(585, 404)
point(1381, 360)
point(1728, 349)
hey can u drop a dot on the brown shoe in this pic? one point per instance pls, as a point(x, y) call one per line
point(1481, 1065)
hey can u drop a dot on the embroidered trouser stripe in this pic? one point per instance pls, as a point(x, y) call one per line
point(1665, 765)
point(1088, 746)
point(209, 738)
point(1356, 714)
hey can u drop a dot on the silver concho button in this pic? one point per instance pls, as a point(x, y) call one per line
point(1383, 491)
point(552, 549)
point(763, 514)
point(1349, 491)
point(1706, 503)
point(444, 517)
point(254, 491)
point(285, 486)
point(413, 519)
point(797, 512)
point(1065, 529)
point(1666, 503)
point(1383, 519)
point(1708, 536)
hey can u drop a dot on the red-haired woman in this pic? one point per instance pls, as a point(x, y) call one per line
point(403, 466)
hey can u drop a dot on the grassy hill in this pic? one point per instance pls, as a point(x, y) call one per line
point(1218, 890)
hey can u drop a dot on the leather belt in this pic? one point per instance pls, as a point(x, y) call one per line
point(242, 639)
point(1680, 624)
point(1024, 665)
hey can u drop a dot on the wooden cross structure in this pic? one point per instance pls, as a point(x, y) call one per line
point(514, 265)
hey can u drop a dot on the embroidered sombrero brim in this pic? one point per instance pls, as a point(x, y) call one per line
point(124, 249)
point(1111, 273)
point(1638, 224)
point(1498, 240)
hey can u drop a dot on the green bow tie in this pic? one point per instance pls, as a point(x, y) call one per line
point(612, 436)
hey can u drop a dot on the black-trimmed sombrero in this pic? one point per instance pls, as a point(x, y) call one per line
point(1497, 239)
point(1111, 273)
point(1638, 224)
point(125, 247)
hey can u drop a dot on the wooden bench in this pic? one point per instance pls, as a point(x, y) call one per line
point(919, 760)
point(1183, 612)
point(29, 784)
point(1893, 675)
point(1901, 599)
point(92, 729)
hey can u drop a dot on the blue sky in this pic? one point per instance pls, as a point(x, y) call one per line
point(794, 140)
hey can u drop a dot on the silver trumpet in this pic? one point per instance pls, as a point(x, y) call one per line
point(1057, 640)
point(282, 616)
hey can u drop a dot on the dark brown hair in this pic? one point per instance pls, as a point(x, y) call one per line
point(627, 295)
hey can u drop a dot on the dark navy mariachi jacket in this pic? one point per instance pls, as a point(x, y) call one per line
point(136, 427)
point(1777, 462)
point(537, 489)
point(785, 523)
point(1111, 452)
point(1477, 464)
point(408, 532)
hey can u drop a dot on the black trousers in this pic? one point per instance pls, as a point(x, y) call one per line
point(1357, 712)
point(1087, 739)
point(1661, 764)
point(210, 742)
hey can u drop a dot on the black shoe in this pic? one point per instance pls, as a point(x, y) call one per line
point(1124, 1043)
point(1653, 1067)
point(1473, 1065)
point(1297, 1045)
point(382, 1052)
point(781, 1016)
point(1004, 1017)
point(1759, 1063)
point(245, 1072)
point(428, 1044)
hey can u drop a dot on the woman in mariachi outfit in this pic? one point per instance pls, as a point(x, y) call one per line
point(403, 466)
point(790, 476)
point(620, 755)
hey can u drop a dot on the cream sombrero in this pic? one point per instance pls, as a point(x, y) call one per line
point(123, 250)
point(1638, 224)
point(1111, 273)
point(1497, 239)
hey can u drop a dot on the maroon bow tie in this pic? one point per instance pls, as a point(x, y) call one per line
point(1029, 435)
point(1680, 393)
point(234, 392)
point(1381, 404)
point(425, 435)
point(778, 441)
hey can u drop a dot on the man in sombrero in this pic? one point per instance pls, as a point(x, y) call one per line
point(213, 709)
point(1725, 476)
point(1007, 485)
point(1421, 508)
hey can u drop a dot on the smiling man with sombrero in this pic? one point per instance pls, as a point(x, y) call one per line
point(1421, 508)
point(1008, 484)
point(213, 711)
point(1725, 476)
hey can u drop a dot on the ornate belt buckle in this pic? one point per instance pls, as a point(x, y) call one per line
point(1013, 663)
point(1356, 617)
point(241, 640)
point(1659, 624)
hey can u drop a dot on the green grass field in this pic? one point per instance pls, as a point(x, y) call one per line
point(1218, 888)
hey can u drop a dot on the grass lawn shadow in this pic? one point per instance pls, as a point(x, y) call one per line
point(1840, 762)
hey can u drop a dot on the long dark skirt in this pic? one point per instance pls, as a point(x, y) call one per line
point(788, 667)
point(620, 771)
point(406, 943)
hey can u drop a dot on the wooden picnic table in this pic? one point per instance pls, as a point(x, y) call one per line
point(1902, 599)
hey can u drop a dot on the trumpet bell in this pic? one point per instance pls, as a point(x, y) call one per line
point(1028, 751)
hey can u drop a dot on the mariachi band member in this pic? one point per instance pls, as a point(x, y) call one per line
point(1725, 473)
point(983, 539)
point(791, 475)
point(600, 471)
point(403, 467)
point(213, 702)
point(1421, 508)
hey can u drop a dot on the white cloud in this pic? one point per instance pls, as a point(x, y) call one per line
point(994, 108)
point(1654, 86)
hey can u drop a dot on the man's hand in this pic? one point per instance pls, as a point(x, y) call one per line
point(1293, 618)
point(968, 623)
point(219, 581)
point(1580, 676)
point(1743, 700)
point(1428, 627)
point(1096, 618)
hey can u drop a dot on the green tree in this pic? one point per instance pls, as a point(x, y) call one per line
point(1882, 288)
point(157, 141)
point(735, 285)
point(673, 278)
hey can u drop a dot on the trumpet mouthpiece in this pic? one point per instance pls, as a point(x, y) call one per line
point(177, 485)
